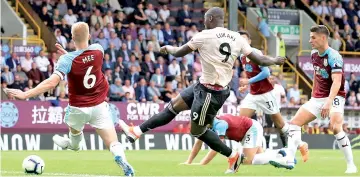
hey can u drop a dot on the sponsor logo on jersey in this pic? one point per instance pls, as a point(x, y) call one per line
point(324, 73)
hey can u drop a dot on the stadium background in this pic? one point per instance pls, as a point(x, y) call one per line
point(132, 32)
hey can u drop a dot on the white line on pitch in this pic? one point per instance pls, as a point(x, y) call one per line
point(54, 174)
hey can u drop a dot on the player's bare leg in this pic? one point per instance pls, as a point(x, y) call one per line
point(110, 139)
point(73, 142)
point(336, 122)
point(256, 156)
point(302, 117)
point(175, 106)
point(250, 153)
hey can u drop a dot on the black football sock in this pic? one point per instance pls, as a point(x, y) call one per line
point(160, 119)
point(267, 139)
point(214, 142)
point(283, 139)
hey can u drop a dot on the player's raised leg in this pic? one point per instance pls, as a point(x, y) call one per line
point(73, 142)
point(75, 118)
point(204, 108)
point(302, 117)
point(180, 103)
point(336, 122)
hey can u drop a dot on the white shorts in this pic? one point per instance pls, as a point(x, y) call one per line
point(265, 102)
point(97, 116)
point(314, 105)
point(254, 136)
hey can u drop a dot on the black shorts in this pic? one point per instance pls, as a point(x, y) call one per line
point(268, 123)
point(204, 103)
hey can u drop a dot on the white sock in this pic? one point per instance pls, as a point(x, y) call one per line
point(294, 139)
point(137, 131)
point(345, 146)
point(117, 149)
point(75, 139)
point(265, 157)
point(285, 128)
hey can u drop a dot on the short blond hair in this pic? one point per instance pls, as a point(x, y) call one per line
point(80, 32)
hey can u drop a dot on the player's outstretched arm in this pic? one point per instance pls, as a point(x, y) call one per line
point(210, 155)
point(263, 60)
point(194, 152)
point(44, 86)
point(176, 51)
point(265, 73)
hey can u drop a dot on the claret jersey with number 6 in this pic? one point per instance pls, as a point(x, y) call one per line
point(218, 49)
point(86, 82)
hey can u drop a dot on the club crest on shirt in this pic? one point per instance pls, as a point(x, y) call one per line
point(321, 71)
point(325, 62)
point(248, 68)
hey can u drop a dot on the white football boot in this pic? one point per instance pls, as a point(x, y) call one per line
point(63, 142)
point(351, 169)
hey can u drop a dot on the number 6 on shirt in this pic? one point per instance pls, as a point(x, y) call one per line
point(87, 77)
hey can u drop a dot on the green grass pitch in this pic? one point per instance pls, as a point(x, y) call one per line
point(166, 163)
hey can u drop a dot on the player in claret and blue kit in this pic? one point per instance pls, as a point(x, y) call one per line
point(327, 100)
point(262, 96)
point(240, 129)
point(88, 90)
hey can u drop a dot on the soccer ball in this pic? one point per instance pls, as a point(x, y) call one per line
point(33, 164)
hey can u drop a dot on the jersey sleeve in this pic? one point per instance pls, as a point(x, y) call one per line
point(63, 66)
point(220, 127)
point(245, 49)
point(336, 62)
point(196, 41)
